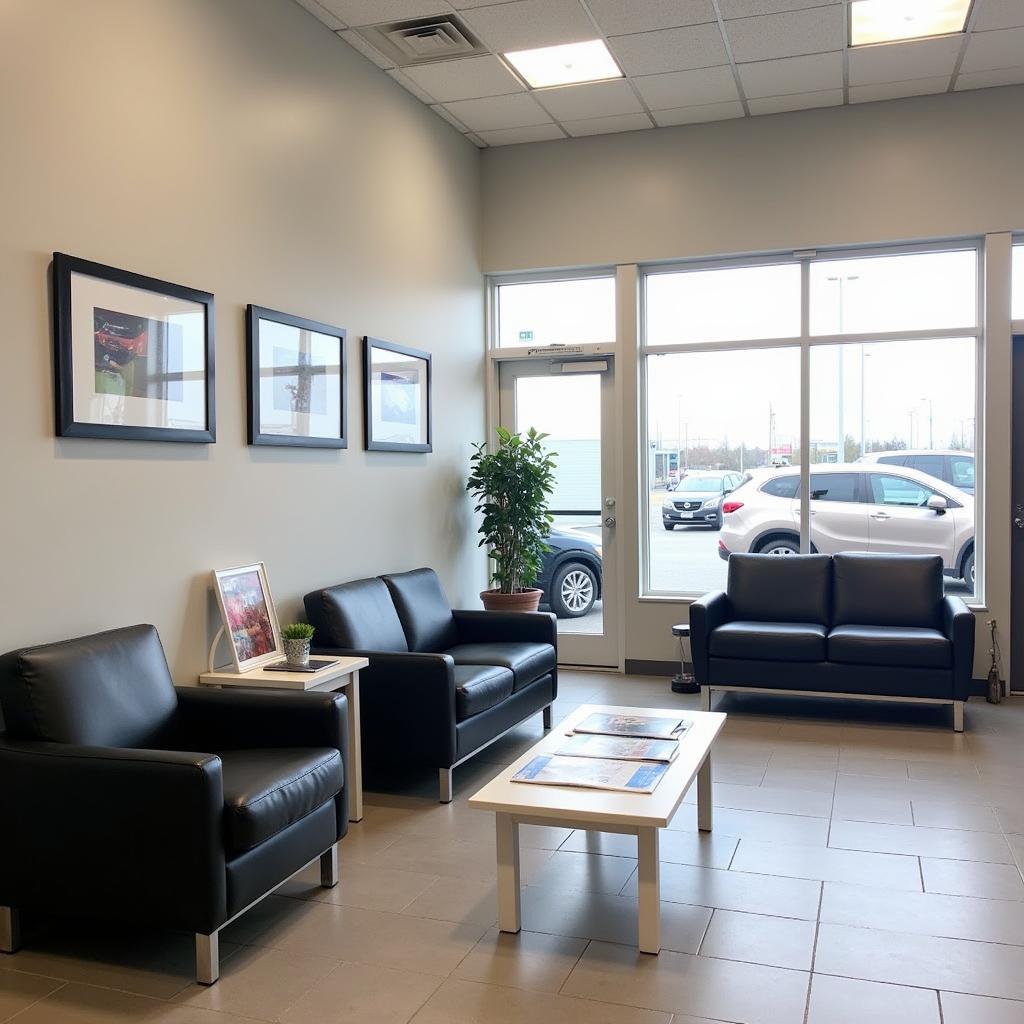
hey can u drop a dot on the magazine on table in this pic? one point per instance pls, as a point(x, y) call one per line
point(640, 726)
point(592, 773)
point(618, 748)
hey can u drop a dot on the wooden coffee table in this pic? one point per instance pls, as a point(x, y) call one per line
point(635, 814)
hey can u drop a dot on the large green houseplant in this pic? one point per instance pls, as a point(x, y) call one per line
point(512, 485)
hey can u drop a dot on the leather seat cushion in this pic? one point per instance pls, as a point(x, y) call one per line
point(769, 641)
point(479, 687)
point(907, 646)
point(527, 661)
point(265, 791)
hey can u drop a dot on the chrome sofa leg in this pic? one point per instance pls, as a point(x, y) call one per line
point(207, 958)
point(445, 779)
point(705, 698)
point(10, 930)
point(329, 868)
point(958, 715)
point(547, 717)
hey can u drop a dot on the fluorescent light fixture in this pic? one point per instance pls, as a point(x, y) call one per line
point(885, 21)
point(565, 65)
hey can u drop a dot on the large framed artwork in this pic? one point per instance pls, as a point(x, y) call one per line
point(133, 355)
point(250, 621)
point(297, 380)
point(397, 397)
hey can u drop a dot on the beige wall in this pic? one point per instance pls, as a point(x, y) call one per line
point(929, 167)
point(237, 147)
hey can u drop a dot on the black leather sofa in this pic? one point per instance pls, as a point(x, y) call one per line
point(441, 684)
point(861, 625)
point(125, 798)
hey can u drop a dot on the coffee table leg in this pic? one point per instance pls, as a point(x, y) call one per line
point(705, 807)
point(354, 768)
point(649, 890)
point(507, 834)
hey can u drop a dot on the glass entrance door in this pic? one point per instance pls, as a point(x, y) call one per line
point(572, 403)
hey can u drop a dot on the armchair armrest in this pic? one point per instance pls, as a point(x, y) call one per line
point(113, 832)
point(706, 614)
point(475, 626)
point(959, 627)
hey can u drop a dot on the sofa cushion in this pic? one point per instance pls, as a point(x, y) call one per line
point(904, 646)
point(423, 609)
point(875, 589)
point(479, 687)
point(356, 616)
point(769, 641)
point(769, 588)
point(267, 790)
point(527, 661)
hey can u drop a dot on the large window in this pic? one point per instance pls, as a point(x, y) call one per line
point(576, 311)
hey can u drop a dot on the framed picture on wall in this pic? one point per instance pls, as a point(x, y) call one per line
point(397, 397)
point(133, 355)
point(297, 380)
point(250, 622)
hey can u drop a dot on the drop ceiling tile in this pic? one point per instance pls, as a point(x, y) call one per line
point(617, 17)
point(900, 62)
point(799, 101)
point(696, 115)
point(357, 42)
point(466, 79)
point(816, 30)
point(673, 49)
point(811, 73)
point(406, 83)
point(527, 24)
point(598, 99)
point(987, 79)
point(989, 50)
point(514, 136)
point(322, 14)
point(998, 14)
point(515, 111)
point(607, 125)
point(466, 5)
point(450, 118)
point(687, 88)
point(371, 12)
point(896, 90)
point(751, 8)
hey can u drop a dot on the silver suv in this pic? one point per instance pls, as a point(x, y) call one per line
point(854, 507)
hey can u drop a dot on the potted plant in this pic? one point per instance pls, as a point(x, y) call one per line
point(512, 485)
point(296, 638)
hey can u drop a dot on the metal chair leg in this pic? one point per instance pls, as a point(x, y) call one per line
point(445, 780)
point(207, 958)
point(329, 868)
point(547, 717)
point(10, 930)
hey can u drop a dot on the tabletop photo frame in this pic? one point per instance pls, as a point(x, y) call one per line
point(250, 621)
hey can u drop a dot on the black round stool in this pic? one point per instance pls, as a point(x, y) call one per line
point(683, 681)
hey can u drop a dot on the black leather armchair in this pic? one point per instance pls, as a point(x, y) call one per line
point(441, 684)
point(128, 799)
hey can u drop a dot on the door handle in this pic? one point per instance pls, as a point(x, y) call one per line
point(880, 516)
point(1018, 522)
point(609, 521)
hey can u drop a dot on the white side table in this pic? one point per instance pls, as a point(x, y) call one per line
point(343, 675)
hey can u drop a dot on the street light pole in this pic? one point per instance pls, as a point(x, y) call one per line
point(931, 422)
point(840, 379)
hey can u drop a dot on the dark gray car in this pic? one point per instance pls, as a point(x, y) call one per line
point(697, 498)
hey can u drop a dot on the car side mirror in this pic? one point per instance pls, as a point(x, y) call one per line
point(938, 504)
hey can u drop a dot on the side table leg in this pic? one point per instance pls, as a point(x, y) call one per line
point(354, 768)
point(507, 835)
point(705, 803)
point(649, 891)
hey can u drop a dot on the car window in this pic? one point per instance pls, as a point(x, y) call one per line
point(834, 486)
point(933, 465)
point(782, 487)
point(962, 470)
point(702, 483)
point(898, 490)
point(892, 460)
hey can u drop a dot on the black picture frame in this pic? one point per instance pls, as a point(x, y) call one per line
point(65, 267)
point(372, 443)
point(253, 316)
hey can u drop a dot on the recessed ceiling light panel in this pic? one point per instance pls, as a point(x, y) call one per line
point(885, 21)
point(565, 65)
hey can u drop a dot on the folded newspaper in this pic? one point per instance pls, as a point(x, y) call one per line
point(641, 726)
point(592, 773)
point(618, 748)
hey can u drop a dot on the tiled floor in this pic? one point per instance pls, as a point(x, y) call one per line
point(865, 867)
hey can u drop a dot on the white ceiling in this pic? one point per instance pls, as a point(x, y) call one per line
point(686, 61)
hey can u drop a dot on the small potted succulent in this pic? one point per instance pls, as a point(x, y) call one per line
point(296, 638)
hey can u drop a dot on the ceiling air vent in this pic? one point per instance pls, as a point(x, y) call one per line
point(423, 40)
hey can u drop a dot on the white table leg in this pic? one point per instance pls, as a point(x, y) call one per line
point(705, 806)
point(354, 768)
point(649, 890)
point(507, 834)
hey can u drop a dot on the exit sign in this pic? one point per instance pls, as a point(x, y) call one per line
point(526, 335)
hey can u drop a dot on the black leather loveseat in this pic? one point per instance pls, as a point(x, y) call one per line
point(127, 799)
point(441, 684)
point(860, 625)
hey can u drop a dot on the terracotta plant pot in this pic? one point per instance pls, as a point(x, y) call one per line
point(524, 601)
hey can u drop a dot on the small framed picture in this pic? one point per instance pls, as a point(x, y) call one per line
point(297, 381)
point(250, 621)
point(397, 400)
point(133, 355)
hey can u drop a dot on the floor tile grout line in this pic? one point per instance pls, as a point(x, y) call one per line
point(814, 954)
point(35, 1002)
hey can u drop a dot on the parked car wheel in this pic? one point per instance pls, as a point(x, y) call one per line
point(573, 591)
point(969, 570)
point(780, 546)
